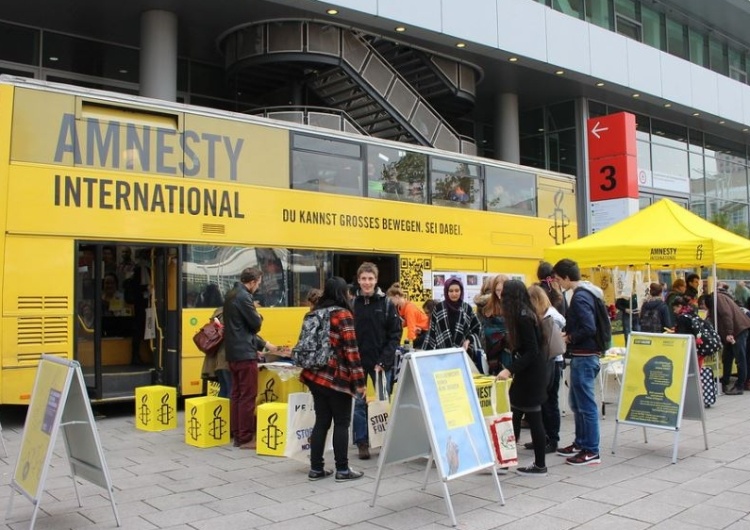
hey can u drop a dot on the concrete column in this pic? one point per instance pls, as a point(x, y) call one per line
point(507, 136)
point(159, 54)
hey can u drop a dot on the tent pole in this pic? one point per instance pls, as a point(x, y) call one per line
point(716, 285)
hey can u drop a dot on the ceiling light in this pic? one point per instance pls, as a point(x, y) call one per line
point(600, 83)
point(460, 45)
point(513, 59)
point(667, 105)
point(696, 113)
point(53, 59)
point(559, 72)
point(721, 122)
point(636, 95)
point(400, 29)
point(745, 129)
point(540, 129)
point(123, 71)
point(333, 11)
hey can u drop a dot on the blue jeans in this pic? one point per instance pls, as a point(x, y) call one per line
point(359, 422)
point(582, 401)
point(735, 352)
point(225, 383)
point(551, 407)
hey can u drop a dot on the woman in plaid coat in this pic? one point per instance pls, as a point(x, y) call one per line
point(453, 323)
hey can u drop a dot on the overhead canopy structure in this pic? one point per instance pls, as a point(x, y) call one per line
point(664, 234)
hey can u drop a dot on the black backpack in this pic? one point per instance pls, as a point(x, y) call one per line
point(603, 325)
point(651, 320)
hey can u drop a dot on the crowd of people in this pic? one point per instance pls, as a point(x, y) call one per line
point(508, 325)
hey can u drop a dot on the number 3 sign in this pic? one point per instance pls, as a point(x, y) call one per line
point(613, 178)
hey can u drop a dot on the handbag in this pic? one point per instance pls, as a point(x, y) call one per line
point(552, 340)
point(210, 337)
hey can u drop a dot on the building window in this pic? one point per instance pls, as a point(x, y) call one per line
point(737, 66)
point(717, 56)
point(19, 44)
point(626, 19)
point(89, 57)
point(573, 8)
point(698, 51)
point(677, 39)
point(653, 29)
point(599, 12)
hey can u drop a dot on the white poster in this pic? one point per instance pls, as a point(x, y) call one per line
point(609, 212)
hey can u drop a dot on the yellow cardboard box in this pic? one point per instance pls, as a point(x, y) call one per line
point(156, 408)
point(272, 422)
point(206, 421)
point(276, 381)
point(485, 387)
point(501, 395)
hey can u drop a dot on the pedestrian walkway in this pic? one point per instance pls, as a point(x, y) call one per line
point(162, 483)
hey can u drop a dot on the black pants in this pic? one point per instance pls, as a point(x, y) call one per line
point(551, 407)
point(537, 432)
point(336, 406)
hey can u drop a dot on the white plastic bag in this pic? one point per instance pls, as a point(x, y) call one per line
point(300, 423)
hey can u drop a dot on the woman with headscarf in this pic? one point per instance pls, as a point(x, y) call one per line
point(453, 323)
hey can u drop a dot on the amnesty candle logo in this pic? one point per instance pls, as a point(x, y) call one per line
point(663, 253)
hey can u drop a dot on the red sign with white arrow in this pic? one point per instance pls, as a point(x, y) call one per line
point(612, 157)
point(612, 135)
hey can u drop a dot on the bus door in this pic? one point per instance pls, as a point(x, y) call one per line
point(126, 323)
point(346, 264)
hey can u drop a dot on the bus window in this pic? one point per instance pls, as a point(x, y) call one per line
point(320, 164)
point(510, 191)
point(456, 184)
point(396, 174)
point(209, 272)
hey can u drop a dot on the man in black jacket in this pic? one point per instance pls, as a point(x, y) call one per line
point(379, 330)
point(242, 323)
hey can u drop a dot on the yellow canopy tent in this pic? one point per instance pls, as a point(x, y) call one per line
point(664, 234)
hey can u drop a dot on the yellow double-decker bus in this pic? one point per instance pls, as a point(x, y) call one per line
point(125, 220)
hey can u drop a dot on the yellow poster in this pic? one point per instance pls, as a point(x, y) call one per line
point(454, 399)
point(48, 395)
point(654, 380)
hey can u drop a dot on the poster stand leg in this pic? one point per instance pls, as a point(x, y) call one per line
point(114, 506)
point(427, 471)
point(78, 495)
point(449, 503)
point(374, 493)
point(34, 514)
point(676, 446)
point(9, 510)
point(614, 439)
point(497, 483)
point(645, 436)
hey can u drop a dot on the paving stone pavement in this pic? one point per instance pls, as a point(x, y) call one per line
point(160, 482)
